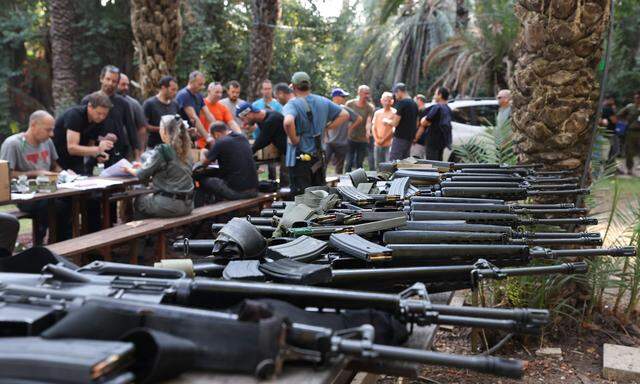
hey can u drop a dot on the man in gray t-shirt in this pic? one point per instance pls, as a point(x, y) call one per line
point(233, 101)
point(33, 154)
point(336, 145)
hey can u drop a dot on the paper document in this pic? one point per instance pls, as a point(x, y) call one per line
point(116, 170)
point(90, 183)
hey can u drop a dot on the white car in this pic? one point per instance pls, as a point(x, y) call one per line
point(469, 119)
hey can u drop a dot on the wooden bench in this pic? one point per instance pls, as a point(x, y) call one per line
point(73, 248)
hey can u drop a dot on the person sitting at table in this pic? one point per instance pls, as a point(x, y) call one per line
point(237, 177)
point(33, 154)
point(169, 165)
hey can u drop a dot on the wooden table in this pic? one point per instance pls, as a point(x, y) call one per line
point(77, 196)
point(340, 372)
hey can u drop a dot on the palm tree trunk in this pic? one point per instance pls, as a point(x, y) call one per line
point(555, 85)
point(265, 17)
point(64, 84)
point(157, 31)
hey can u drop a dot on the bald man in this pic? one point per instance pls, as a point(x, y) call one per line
point(33, 154)
point(504, 104)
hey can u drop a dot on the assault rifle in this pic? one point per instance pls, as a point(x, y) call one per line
point(453, 237)
point(496, 192)
point(419, 254)
point(495, 208)
point(411, 306)
point(506, 219)
point(257, 339)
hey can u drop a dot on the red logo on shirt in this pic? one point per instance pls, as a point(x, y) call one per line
point(33, 157)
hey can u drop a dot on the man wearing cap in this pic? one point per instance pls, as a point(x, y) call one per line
point(404, 122)
point(337, 141)
point(305, 119)
point(271, 131)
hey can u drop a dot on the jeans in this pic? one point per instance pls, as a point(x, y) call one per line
point(356, 155)
point(336, 153)
point(40, 210)
point(433, 153)
point(370, 154)
point(219, 188)
point(301, 176)
point(418, 150)
point(382, 155)
point(400, 149)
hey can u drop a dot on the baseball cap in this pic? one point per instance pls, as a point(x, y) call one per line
point(339, 92)
point(399, 87)
point(299, 78)
point(244, 108)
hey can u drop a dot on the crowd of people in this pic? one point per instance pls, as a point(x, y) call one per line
point(161, 135)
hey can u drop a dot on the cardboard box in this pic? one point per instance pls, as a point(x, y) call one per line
point(5, 181)
point(270, 152)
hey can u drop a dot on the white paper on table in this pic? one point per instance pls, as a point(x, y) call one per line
point(22, 196)
point(90, 183)
point(116, 170)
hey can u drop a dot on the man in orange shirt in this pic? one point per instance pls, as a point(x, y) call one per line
point(217, 109)
point(382, 128)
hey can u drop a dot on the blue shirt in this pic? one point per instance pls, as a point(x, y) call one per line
point(273, 105)
point(323, 111)
point(185, 98)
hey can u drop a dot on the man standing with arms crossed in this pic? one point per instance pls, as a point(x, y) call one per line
point(157, 106)
point(359, 136)
point(305, 119)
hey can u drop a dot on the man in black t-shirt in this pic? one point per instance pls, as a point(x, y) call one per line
point(237, 177)
point(436, 126)
point(118, 125)
point(159, 105)
point(404, 122)
point(77, 131)
point(271, 131)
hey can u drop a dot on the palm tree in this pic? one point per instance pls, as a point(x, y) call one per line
point(477, 60)
point(157, 31)
point(64, 84)
point(265, 17)
point(555, 85)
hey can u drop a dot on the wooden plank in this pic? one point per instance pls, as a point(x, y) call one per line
point(139, 228)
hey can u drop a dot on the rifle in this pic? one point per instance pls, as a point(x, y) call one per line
point(505, 184)
point(452, 237)
point(419, 254)
point(462, 226)
point(411, 306)
point(256, 340)
point(495, 208)
point(497, 193)
point(505, 219)
point(443, 278)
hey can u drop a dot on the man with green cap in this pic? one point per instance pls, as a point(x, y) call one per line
point(306, 116)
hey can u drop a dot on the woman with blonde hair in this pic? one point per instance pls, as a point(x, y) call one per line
point(169, 165)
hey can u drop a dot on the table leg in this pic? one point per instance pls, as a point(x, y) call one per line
point(75, 217)
point(51, 217)
point(161, 247)
point(106, 223)
point(272, 171)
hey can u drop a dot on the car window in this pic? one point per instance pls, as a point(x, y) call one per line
point(476, 115)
